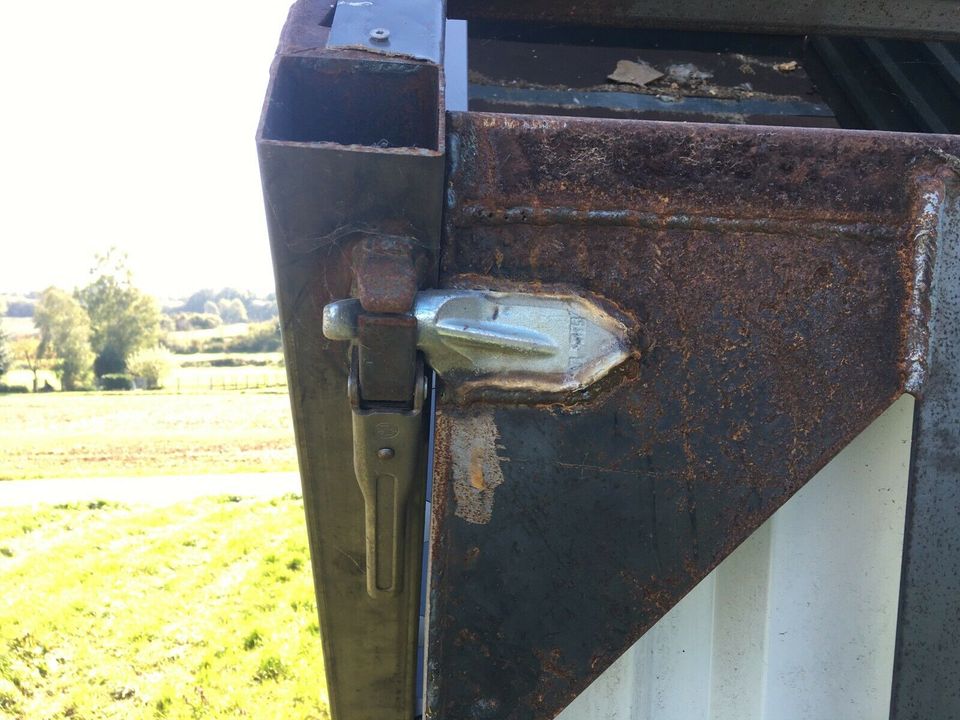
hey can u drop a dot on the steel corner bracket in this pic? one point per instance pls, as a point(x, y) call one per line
point(790, 284)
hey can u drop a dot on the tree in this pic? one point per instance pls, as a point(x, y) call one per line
point(232, 310)
point(261, 337)
point(210, 301)
point(27, 350)
point(153, 365)
point(197, 302)
point(5, 356)
point(122, 318)
point(65, 335)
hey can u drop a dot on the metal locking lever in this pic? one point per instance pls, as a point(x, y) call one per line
point(387, 450)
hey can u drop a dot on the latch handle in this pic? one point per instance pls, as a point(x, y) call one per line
point(387, 448)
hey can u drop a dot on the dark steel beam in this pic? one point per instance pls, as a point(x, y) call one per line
point(919, 19)
point(926, 679)
point(351, 147)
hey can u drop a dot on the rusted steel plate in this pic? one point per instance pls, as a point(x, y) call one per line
point(771, 278)
point(923, 19)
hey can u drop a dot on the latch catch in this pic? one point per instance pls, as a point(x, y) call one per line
point(541, 343)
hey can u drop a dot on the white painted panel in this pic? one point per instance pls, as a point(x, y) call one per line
point(740, 630)
point(799, 622)
point(654, 678)
point(834, 582)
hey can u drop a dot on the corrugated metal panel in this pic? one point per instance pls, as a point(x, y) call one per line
point(798, 622)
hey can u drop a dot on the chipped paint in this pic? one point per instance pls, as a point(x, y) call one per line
point(476, 466)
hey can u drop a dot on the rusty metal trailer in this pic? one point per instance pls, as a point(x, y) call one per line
point(631, 332)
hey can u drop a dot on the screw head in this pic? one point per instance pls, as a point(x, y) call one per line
point(379, 34)
point(385, 453)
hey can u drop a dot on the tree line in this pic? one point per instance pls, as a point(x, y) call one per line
point(109, 329)
point(94, 331)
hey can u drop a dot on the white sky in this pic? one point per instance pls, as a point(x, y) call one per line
point(132, 124)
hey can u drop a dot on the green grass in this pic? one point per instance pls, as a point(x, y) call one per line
point(198, 610)
point(193, 373)
point(99, 434)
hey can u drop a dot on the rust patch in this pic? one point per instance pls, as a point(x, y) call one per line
point(475, 466)
point(476, 470)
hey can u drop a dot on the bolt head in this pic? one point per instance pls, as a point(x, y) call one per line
point(385, 453)
point(379, 35)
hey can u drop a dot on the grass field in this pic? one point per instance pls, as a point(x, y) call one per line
point(17, 326)
point(198, 610)
point(195, 372)
point(203, 609)
point(181, 337)
point(144, 433)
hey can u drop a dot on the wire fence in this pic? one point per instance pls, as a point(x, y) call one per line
point(233, 381)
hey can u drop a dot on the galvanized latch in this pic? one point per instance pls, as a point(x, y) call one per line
point(387, 387)
point(541, 343)
point(387, 459)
